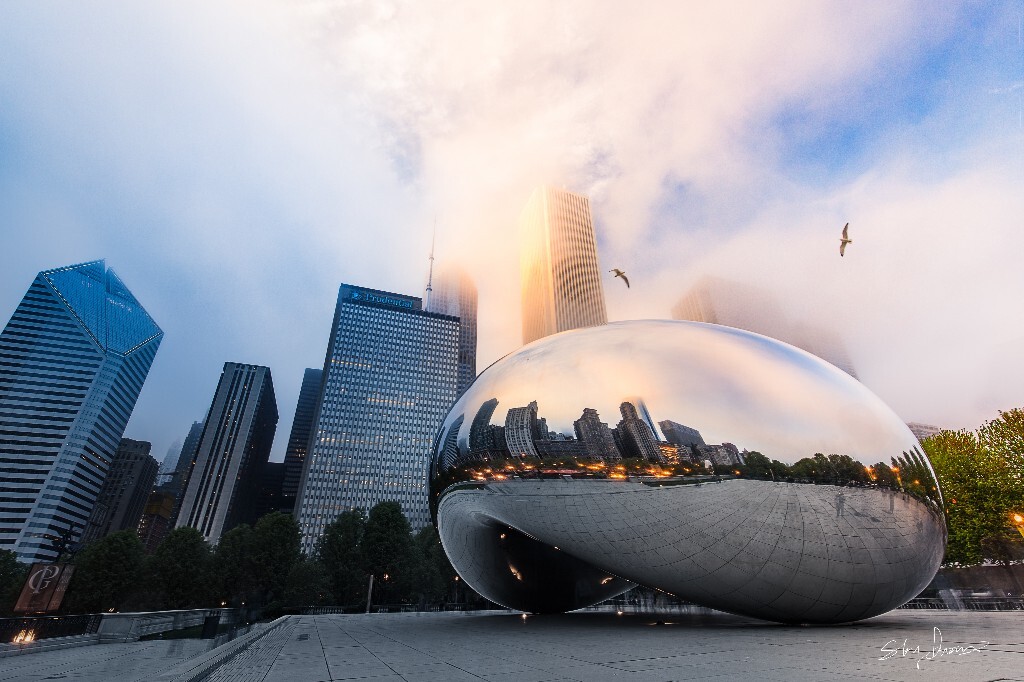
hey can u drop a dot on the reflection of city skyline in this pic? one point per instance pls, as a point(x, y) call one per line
point(524, 433)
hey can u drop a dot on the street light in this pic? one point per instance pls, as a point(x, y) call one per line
point(1018, 521)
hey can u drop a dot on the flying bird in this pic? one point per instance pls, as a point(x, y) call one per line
point(845, 240)
point(620, 273)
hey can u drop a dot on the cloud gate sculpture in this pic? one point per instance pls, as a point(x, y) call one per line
point(720, 466)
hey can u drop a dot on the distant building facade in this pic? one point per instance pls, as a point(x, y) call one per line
point(156, 522)
point(559, 270)
point(298, 440)
point(74, 357)
point(222, 488)
point(390, 376)
point(720, 301)
point(454, 293)
point(922, 431)
point(125, 490)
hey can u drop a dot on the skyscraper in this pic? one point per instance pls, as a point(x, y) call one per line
point(732, 304)
point(298, 440)
point(390, 376)
point(125, 491)
point(559, 271)
point(454, 293)
point(74, 357)
point(223, 486)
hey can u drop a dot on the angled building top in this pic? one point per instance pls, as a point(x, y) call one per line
point(98, 298)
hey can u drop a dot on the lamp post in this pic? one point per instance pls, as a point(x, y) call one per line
point(1018, 521)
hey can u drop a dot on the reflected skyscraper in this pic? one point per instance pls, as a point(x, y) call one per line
point(389, 377)
point(720, 301)
point(223, 486)
point(559, 271)
point(75, 355)
point(521, 430)
point(452, 292)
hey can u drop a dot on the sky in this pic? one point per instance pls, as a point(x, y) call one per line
point(235, 162)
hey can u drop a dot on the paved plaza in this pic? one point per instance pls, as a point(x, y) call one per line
point(587, 647)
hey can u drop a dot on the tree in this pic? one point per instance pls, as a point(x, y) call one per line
point(338, 550)
point(180, 570)
point(12, 577)
point(308, 584)
point(981, 487)
point(433, 571)
point(386, 548)
point(234, 578)
point(276, 547)
point(107, 574)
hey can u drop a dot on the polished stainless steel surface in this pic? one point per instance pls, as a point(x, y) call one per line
point(721, 466)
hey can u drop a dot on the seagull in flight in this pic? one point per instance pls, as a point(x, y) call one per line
point(620, 273)
point(845, 240)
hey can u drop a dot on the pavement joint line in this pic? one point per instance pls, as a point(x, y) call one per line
point(422, 653)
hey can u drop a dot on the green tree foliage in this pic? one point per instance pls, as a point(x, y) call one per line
point(251, 564)
point(981, 479)
point(12, 578)
point(435, 573)
point(108, 574)
point(308, 584)
point(386, 550)
point(338, 550)
point(233, 576)
point(181, 570)
point(276, 547)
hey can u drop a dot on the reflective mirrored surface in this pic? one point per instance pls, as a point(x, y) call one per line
point(721, 466)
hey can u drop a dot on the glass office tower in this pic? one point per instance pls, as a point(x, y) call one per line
point(559, 271)
point(223, 484)
point(73, 359)
point(390, 376)
point(298, 440)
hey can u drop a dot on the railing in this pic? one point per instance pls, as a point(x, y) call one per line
point(386, 608)
point(30, 629)
point(967, 603)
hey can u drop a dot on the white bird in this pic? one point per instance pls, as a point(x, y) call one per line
point(620, 273)
point(845, 240)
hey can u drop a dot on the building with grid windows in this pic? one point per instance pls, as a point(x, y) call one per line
point(559, 272)
point(390, 376)
point(222, 488)
point(73, 359)
point(125, 490)
point(298, 440)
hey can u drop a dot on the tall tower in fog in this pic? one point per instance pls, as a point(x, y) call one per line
point(720, 301)
point(454, 293)
point(559, 272)
point(75, 355)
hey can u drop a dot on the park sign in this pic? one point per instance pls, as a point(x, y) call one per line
point(44, 589)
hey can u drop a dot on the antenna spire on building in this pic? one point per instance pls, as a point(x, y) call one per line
point(430, 275)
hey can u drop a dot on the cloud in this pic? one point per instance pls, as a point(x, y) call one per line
point(235, 163)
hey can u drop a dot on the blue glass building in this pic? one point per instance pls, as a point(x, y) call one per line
point(73, 359)
point(390, 376)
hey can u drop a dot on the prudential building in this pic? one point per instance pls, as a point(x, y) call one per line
point(390, 376)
